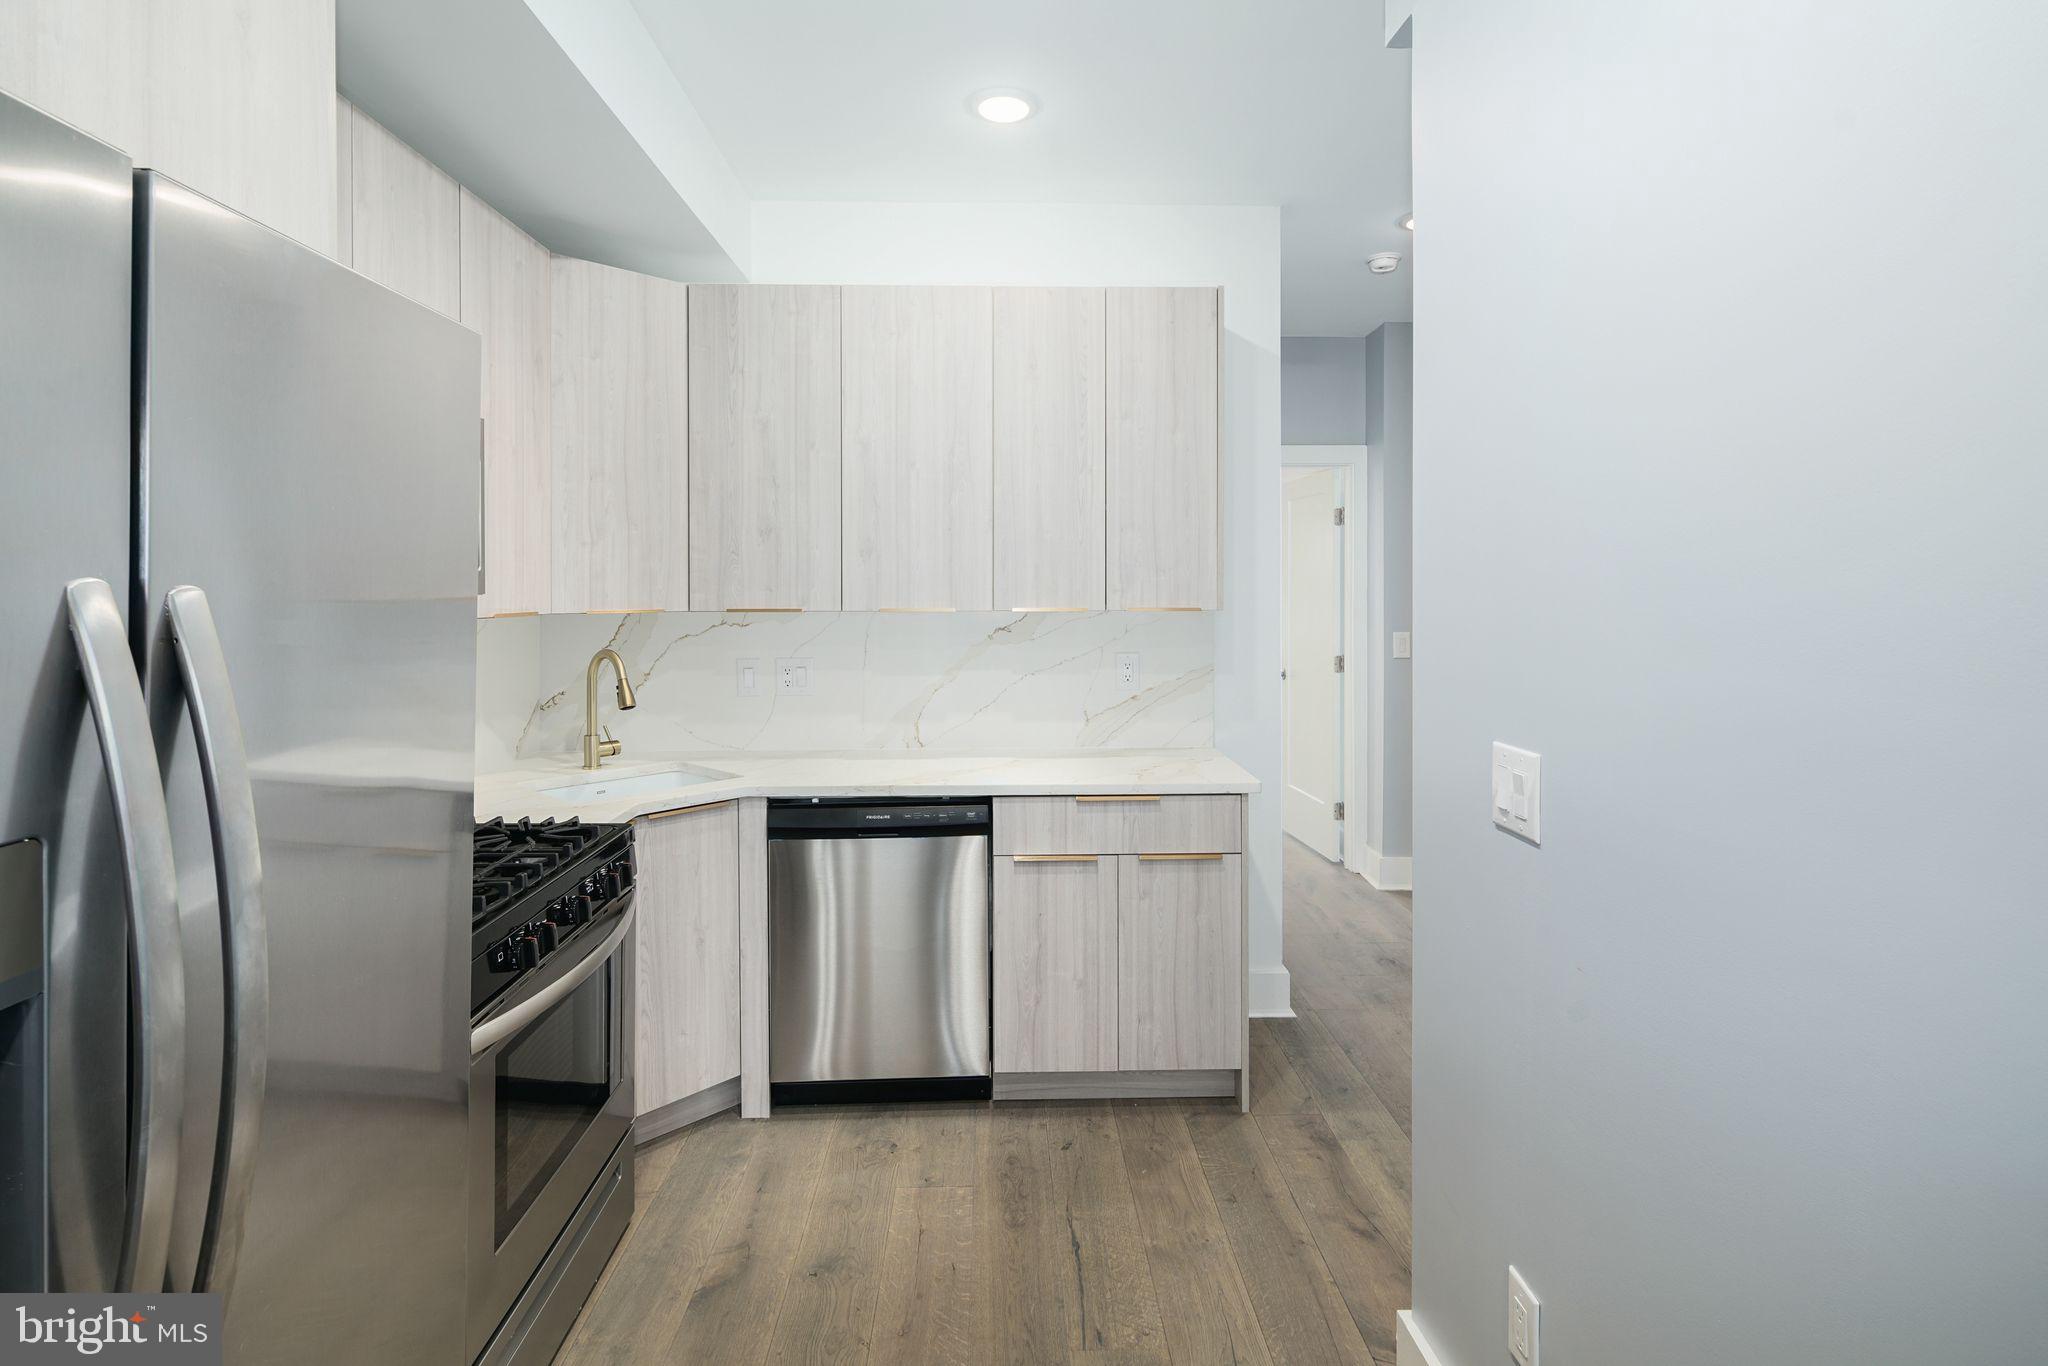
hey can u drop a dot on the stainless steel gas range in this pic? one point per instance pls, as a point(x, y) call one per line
point(550, 1078)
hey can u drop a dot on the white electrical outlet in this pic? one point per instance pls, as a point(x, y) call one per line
point(1400, 645)
point(1127, 669)
point(793, 677)
point(1518, 792)
point(747, 677)
point(1523, 1307)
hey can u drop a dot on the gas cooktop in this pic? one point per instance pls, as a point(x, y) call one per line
point(513, 857)
point(539, 886)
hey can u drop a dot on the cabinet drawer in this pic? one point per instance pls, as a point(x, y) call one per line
point(1119, 825)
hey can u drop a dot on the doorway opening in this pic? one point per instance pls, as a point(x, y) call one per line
point(1314, 667)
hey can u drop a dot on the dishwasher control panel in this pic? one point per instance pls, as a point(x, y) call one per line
point(819, 816)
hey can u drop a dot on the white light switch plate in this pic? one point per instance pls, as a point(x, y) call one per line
point(1523, 1307)
point(1518, 792)
point(1400, 645)
point(746, 677)
point(793, 677)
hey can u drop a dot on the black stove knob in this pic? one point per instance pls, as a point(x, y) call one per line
point(586, 907)
point(529, 952)
point(550, 936)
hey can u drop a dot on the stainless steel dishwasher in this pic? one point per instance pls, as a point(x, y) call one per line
point(878, 949)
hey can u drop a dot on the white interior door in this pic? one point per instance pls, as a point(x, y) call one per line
point(1315, 638)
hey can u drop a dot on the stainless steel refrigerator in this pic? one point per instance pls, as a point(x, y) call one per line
point(237, 643)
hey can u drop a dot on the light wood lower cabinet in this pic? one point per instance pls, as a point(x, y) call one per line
point(1180, 964)
point(1129, 963)
point(1055, 951)
point(1171, 824)
point(687, 960)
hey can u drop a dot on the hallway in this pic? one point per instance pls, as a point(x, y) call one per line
point(1096, 1233)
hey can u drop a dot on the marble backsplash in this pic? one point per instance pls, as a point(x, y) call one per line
point(965, 681)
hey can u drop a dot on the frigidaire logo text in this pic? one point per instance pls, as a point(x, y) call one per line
point(87, 1334)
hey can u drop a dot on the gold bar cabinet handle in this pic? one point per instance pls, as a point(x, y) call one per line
point(1120, 797)
point(673, 811)
point(1178, 858)
point(1055, 858)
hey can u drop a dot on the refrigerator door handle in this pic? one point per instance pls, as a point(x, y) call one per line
point(142, 819)
point(245, 952)
point(483, 506)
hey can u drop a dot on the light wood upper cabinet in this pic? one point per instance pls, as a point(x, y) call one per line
point(232, 98)
point(1055, 963)
point(687, 955)
point(505, 295)
point(86, 62)
point(1049, 440)
point(1180, 980)
point(242, 107)
point(764, 447)
point(620, 417)
point(406, 219)
point(344, 181)
point(1164, 466)
point(918, 506)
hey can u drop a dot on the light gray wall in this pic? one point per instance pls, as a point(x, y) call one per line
point(1390, 473)
point(1733, 459)
point(1322, 391)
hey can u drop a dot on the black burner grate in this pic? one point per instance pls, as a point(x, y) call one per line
point(512, 857)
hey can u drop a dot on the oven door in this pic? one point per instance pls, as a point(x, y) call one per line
point(550, 1100)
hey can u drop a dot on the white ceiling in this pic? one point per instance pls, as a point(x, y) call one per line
point(1290, 102)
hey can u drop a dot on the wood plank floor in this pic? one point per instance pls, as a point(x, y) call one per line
point(1083, 1233)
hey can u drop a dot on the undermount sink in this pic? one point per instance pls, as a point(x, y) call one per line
point(638, 785)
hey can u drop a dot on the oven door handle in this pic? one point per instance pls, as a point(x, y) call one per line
point(494, 1031)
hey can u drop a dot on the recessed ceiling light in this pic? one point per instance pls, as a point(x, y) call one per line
point(1003, 106)
point(1406, 220)
point(1384, 263)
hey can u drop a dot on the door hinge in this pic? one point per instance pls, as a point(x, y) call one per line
point(1340, 811)
point(1338, 518)
point(1340, 664)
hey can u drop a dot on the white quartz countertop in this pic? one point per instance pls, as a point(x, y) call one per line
point(633, 785)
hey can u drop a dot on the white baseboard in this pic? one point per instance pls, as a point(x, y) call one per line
point(1389, 873)
point(1272, 994)
point(1410, 1347)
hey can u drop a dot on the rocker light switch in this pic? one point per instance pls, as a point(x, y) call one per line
point(1518, 792)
